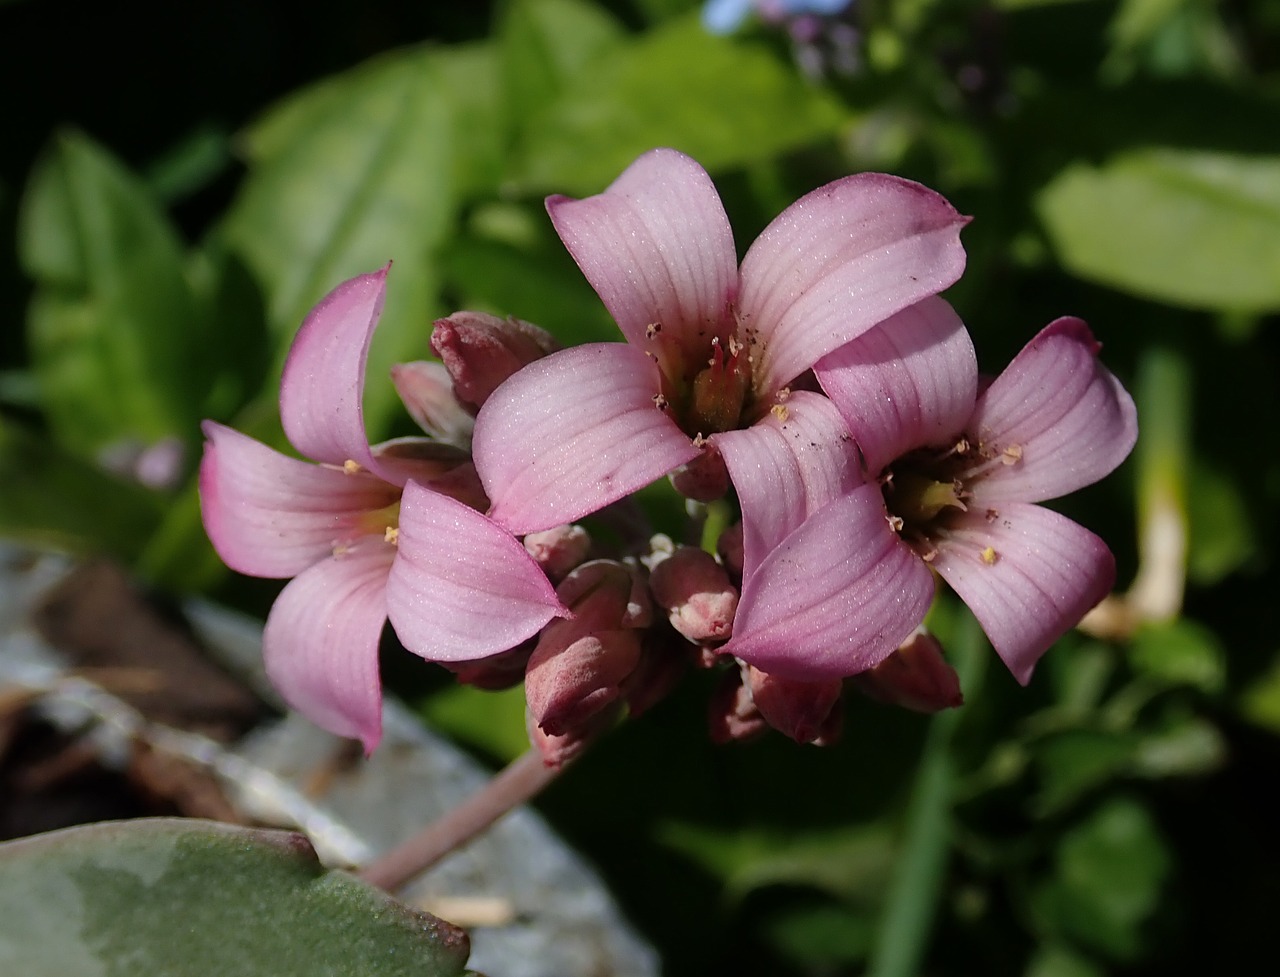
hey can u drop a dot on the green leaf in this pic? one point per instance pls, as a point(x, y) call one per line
point(363, 177)
point(1222, 534)
point(49, 497)
point(1061, 961)
point(1181, 653)
point(1110, 871)
point(117, 341)
point(1200, 229)
point(174, 898)
point(489, 721)
point(1260, 702)
point(1075, 762)
point(727, 102)
point(1189, 747)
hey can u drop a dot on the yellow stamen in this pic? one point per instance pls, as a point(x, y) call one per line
point(990, 556)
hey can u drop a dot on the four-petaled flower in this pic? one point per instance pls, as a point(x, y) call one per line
point(834, 576)
point(367, 533)
point(710, 347)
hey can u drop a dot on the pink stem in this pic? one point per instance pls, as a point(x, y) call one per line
point(519, 781)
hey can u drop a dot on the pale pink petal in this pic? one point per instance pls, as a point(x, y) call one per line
point(269, 515)
point(1065, 417)
point(462, 587)
point(908, 383)
point(835, 598)
point(786, 467)
point(323, 381)
point(656, 246)
point(838, 261)
point(1027, 573)
point(320, 646)
point(573, 432)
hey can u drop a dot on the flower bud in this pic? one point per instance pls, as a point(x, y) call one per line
point(559, 749)
point(731, 715)
point(729, 549)
point(480, 351)
point(916, 676)
point(704, 479)
point(558, 550)
point(696, 593)
point(664, 658)
point(426, 389)
point(806, 711)
point(580, 663)
point(496, 672)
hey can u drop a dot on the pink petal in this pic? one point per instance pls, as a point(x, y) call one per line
point(269, 515)
point(656, 246)
point(908, 383)
point(573, 432)
point(1069, 417)
point(1028, 574)
point(320, 646)
point(323, 382)
point(835, 598)
point(462, 587)
point(841, 259)
point(785, 470)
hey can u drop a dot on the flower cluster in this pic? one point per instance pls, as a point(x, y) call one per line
point(821, 385)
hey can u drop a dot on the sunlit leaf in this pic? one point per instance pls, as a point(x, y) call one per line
point(1181, 653)
point(174, 897)
point(1199, 229)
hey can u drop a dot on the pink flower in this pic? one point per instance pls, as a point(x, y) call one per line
point(710, 347)
point(366, 533)
point(835, 579)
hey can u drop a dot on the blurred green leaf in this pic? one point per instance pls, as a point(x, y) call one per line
point(1199, 229)
point(117, 341)
point(1075, 762)
point(1056, 960)
point(1188, 747)
point(1260, 701)
point(51, 498)
point(545, 47)
point(193, 163)
point(351, 176)
point(727, 102)
point(851, 863)
point(488, 721)
point(820, 937)
point(1222, 534)
point(174, 897)
point(1180, 653)
point(1110, 871)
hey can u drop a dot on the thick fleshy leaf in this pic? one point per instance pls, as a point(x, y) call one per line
point(785, 468)
point(1069, 416)
point(657, 247)
point(908, 383)
point(175, 896)
point(320, 645)
point(1027, 573)
point(269, 515)
point(835, 598)
point(322, 387)
point(841, 259)
point(573, 432)
point(462, 587)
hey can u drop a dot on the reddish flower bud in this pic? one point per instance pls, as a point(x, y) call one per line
point(805, 711)
point(426, 389)
point(916, 676)
point(704, 479)
point(480, 351)
point(696, 593)
point(580, 663)
point(664, 658)
point(731, 715)
point(559, 749)
point(558, 550)
point(496, 672)
point(729, 549)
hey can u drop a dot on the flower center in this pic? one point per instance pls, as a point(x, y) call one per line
point(704, 396)
point(384, 522)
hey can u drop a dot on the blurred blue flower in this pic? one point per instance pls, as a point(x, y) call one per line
point(724, 16)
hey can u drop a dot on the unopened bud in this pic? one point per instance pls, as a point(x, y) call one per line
point(729, 548)
point(696, 593)
point(426, 390)
point(704, 479)
point(480, 351)
point(731, 715)
point(558, 550)
point(916, 676)
point(581, 662)
point(495, 672)
point(664, 658)
point(559, 749)
point(806, 711)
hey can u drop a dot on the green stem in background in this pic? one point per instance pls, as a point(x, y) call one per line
point(719, 515)
point(519, 781)
point(916, 885)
